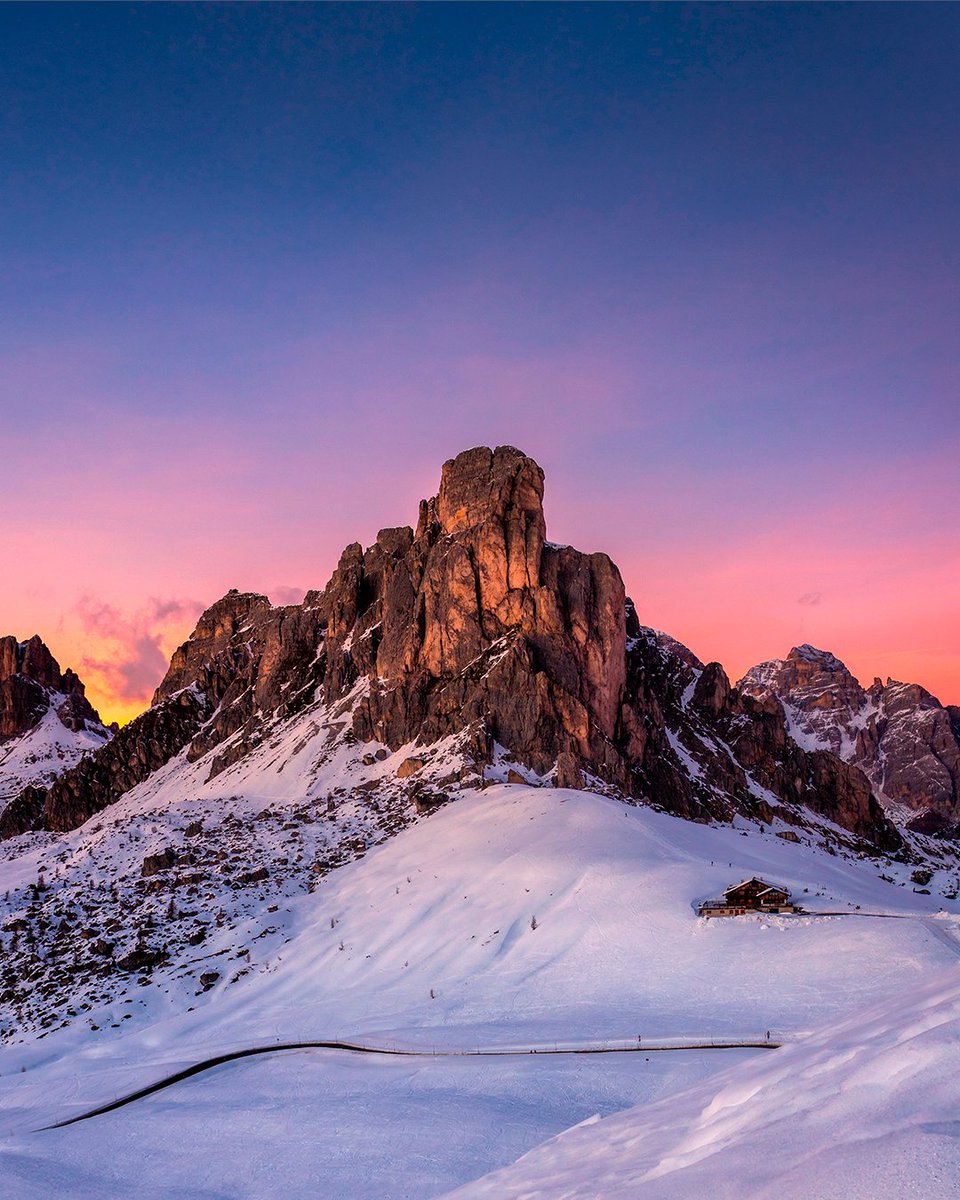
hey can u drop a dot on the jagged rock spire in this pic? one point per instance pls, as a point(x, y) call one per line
point(30, 681)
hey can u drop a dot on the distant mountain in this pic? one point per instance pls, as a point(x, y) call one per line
point(475, 635)
point(904, 740)
point(46, 726)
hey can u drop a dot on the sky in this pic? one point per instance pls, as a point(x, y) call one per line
point(263, 268)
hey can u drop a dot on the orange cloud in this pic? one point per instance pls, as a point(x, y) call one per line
point(124, 657)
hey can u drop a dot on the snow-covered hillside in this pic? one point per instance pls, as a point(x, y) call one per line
point(521, 917)
point(612, 888)
point(178, 879)
point(572, 915)
point(863, 1109)
point(39, 755)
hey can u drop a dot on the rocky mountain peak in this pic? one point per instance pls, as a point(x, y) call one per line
point(47, 725)
point(899, 734)
point(30, 659)
point(474, 633)
point(216, 627)
point(31, 682)
point(476, 621)
point(822, 659)
point(816, 680)
point(498, 495)
point(481, 485)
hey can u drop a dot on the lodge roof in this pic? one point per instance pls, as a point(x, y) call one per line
point(752, 879)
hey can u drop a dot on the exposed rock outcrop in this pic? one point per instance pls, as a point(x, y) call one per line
point(476, 620)
point(248, 660)
point(899, 735)
point(245, 661)
point(24, 812)
point(135, 752)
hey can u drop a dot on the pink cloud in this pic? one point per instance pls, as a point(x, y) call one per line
point(125, 656)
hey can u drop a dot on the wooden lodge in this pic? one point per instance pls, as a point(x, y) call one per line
point(748, 896)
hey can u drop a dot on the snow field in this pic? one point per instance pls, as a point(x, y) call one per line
point(535, 916)
point(865, 1110)
point(308, 1124)
point(43, 752)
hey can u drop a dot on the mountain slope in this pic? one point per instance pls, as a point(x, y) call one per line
point(445, 906)
point(448, 903)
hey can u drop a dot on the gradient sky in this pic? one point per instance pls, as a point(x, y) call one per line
point(263, 268)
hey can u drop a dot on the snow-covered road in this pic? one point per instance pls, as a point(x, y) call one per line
point(651, 1047)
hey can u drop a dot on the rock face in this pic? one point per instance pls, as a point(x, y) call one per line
point(245, 661)
point(473, 628)
point(46, 726)
point(898, 734)
point(31, 682)
point(474, 620)
point(245, 658)
point(24, 812)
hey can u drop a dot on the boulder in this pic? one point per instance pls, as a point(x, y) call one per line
point(153, 864)
point(143, 958)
